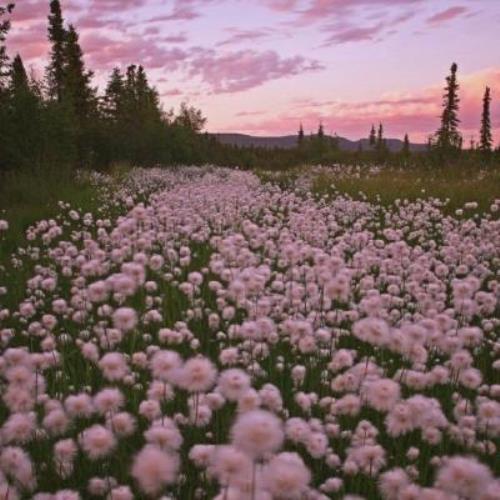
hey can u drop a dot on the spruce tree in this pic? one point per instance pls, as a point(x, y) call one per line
point(4, 29)
point(321, 132)
point(57, 37)
point(380, 137)
point(24, 134)
point(79, 98)
point(77, 88)
point(485, 139)
point(448, 137)
point(300, 138)
point(19, 79)
point(190, 118)
point(4, 73)
point(372, 140)
point(406, 146)
point(113, 102)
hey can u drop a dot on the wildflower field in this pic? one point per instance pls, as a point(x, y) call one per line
point(209, 333)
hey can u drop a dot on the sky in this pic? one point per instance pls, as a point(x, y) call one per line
point(262, 67)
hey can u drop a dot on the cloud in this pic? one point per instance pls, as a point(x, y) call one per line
point(345, 30)
point(115, 5)
point(171, 93)
point(241, 35)
point(446, 15)
point(344, 34)
point(178, 38)
point(104, 52)
point(319, 10)
point(281, 5)
point(30, 41)
point(183, 10)
point(416, 112)
point(246, 69)
point(29, 10)
point(251, 113)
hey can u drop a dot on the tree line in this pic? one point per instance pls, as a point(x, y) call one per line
point(444, 146)
point(61, 121)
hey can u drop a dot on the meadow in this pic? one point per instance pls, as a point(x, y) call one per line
point(206, 332)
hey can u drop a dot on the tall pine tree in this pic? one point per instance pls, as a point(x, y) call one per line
point(113, 102)
point(485, 137)
point(321, 131)
point(4, 29)
point(406, 146)
point(19, 79)
point(372, 140)
point(23, 136)
point(448, 137)
point(380, 137)
point(57, 37)
point(77, 80)
point(300, 137)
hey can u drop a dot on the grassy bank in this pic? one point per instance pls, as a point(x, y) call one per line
point(29, 196)
point(459, 186)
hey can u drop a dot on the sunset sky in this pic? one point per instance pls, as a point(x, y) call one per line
point(263, 66)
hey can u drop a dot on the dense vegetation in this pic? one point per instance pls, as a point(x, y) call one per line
point(201, 334)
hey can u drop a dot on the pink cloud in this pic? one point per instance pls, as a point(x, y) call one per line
point(281, 5)
point(250, 113)
point(179, 38)
point(104, 52)
point(171, 93)
point(183, 10)
point(116, 5)
point(346, 30)
point(29, 41)
point(416, 113)
point(446, 15)
point(240, 36)
point(354, 34)
point(246, 69)
point(29, 10)
point(319, 10)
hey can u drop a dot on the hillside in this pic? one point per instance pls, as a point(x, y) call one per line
point(290, 141)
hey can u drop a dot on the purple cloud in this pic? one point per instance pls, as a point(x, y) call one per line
point(246, 69)
point(104, 52)
point(240, 36)
point(446, 15)
point(353, 33)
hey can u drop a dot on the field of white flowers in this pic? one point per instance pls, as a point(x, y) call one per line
point(208, 335)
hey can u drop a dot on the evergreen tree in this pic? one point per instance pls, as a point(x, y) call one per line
point(113, 102)
point(4, 29)
point(190, 118)
point(485, 137)
point(57, 36)
point(321, 132)
point(448, 137)
point(19, 79)
point(23, 138)
point(380, 137)
point(77, 88)
point(372, 140)
point(406, 146)
point(79, 98)
point(300, 138)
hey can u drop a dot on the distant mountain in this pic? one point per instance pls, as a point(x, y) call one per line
point(290, 141)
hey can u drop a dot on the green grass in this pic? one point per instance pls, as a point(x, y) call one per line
point(29, 196)
point(460, 185)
